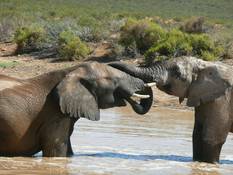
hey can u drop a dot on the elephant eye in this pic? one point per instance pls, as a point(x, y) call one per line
point(176, 72)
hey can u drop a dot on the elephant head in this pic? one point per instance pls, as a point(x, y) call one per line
point(185, 77)
point(94, 86)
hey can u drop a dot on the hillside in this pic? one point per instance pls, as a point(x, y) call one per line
point(220, 10)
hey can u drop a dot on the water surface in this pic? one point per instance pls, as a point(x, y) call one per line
point(126, 143)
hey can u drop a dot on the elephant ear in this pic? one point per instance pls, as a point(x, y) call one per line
point(210, 84)
point(76, 100)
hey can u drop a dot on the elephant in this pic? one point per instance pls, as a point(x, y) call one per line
point(207, 86)
point(39, 113)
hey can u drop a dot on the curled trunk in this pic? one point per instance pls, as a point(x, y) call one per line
point(145, 104)
point(155, 73)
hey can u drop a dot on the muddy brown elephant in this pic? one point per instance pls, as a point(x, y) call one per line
point(38, 114)
point(207, 87)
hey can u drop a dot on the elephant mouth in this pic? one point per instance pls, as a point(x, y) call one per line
point(141, 101)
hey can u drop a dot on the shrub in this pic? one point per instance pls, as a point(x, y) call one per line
point(144, 33)
point(127, 37)
point(70, 47)
point(208, 56)
point(116, 50)
point(205, 47)
point(130, 52)
point(29, 39)
point(92, 29)
point(6, 29)
point(8, 25)
point(92, 34)
point(200, 43)
point(177, 43)
point(193, 25)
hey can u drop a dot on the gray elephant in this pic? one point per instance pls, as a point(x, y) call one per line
point(207, 87)
point(38, 114)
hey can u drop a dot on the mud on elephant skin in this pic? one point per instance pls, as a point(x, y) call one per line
point(207, 87)
point(38, 114)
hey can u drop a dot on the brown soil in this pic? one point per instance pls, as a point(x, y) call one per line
point(27, 66)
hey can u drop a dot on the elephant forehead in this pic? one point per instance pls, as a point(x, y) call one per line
point(89, 71)
point(107, 82)
point(6, 84)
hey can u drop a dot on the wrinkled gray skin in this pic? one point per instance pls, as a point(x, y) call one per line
point(38, 114)
point(207, 87)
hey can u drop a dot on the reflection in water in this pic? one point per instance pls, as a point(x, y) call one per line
point(126, 143)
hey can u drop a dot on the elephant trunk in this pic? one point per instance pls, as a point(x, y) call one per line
point(155, 73)
point(145, 103)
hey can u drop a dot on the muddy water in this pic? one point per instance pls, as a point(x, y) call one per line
point(124, 143)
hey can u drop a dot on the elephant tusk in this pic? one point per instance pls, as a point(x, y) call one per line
point(141, 96)
point(150, 84)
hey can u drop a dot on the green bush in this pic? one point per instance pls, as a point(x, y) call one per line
point(70, 47)
point(202, 44)
point(144, 33)
point(208, 56)
point(177, 43)
point(29, 39)
point(92, 29)
point(127, 37)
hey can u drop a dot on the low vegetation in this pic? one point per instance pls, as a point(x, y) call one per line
point(193, 25)
point(142, 33)
point(164, 28)
point(70, 47)
point(7, 64)
point(29, 39)
point(156, 42)
point(175, 43)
